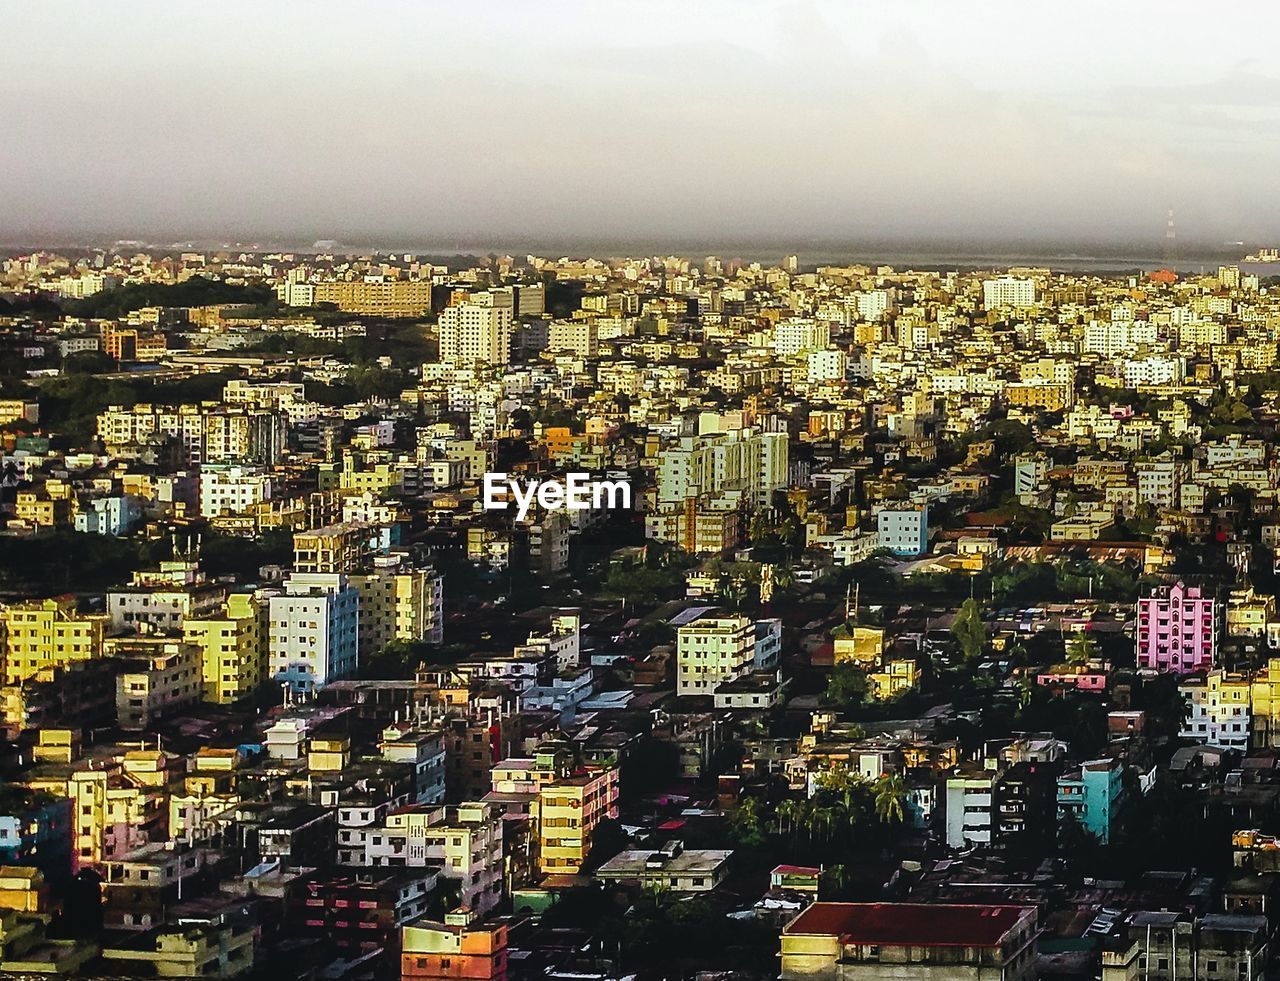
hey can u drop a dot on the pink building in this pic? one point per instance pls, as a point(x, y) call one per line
point(1064, 676)
point(1177, 630)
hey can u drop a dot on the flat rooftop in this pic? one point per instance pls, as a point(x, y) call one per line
point(910, 924)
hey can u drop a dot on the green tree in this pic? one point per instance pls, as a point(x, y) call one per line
point(890, 792)
point(847, 685)
point(969, 630)
point(1081, 649)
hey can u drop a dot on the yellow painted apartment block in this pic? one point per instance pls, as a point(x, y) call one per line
point(233, 648)
point(208, 789)
point(41, 634)
point(569, 811)
point(862, 645)
point(329, 753)
point(23, 888)
point(1264, 699)
point(395, 604)
point(895, 678)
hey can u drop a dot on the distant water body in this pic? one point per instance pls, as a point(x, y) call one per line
point(814, 255)
point(1110, 258)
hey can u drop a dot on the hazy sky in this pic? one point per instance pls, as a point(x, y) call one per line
point(433, 122)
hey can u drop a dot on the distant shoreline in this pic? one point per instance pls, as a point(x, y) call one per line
point(811, 255)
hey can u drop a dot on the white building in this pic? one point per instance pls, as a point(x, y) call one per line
point(232, 489)
point(711, 649)
point(829, 365)
point(1153, 370)
point(1218, 712)
point(903, 530)
point(792, 337)
point(478, 330)
point(752, 464)
point(968, 807)
point(580, 337)
point(1008, 291)
point(314, 630)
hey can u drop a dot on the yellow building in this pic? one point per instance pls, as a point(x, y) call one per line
point(222, 948)
point(328, 753)
point(1264, 699)
point(233, 648)
point(48, 633)
point(1038, 395)
point(117, 803)
point(335, 548)
point(372, 478)
point(398, 602)
point(208, 789)
point(1248, 613)
point(862, 645)
point(712, 649)
point(56, 746)
point(15, 410)
point(569, 811)
point(22, 887)
point(42, 511)
point(27, 951)
point(895, 678)
point(394, 298)
point(455, 948)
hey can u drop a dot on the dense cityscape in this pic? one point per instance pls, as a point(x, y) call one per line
point(391, 616)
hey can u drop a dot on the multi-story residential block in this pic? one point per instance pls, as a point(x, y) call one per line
point(339, 548)
point(713, 648)
point(230, 489)
point(398, 603)
point(458, 947)
point(1177, 629)
point(1218, 710)
point(159, 677)
point(746, 463)
point(115, 515)
point(233, 648)
point(313, 632)
point(923, 942)
point(478, 330)
point(378, 298)
point(570, 809)
point(969, 796)
point(1008, 291)
point(49, 633)
point(1092, 795)
point(35, 832)
point(903, 531)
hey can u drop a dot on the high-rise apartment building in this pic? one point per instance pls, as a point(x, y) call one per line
point(314, 630)
point(1177, 629)
point(478, 330)
point(233, 648)
point(1008, 291)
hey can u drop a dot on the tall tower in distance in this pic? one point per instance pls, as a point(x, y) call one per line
point(1170, 242)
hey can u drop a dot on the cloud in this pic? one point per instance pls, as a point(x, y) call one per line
point(805, 120)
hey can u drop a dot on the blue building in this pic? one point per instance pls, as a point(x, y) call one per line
point(113, 516)
point(35, 830)
point(1092, 795)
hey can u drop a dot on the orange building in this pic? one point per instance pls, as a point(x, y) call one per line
point(456, 948)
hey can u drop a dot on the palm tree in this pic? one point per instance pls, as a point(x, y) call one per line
point(1081, 649)
point(824, 818)
point(890, 791)
point(786, 814)
point(832, 881)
